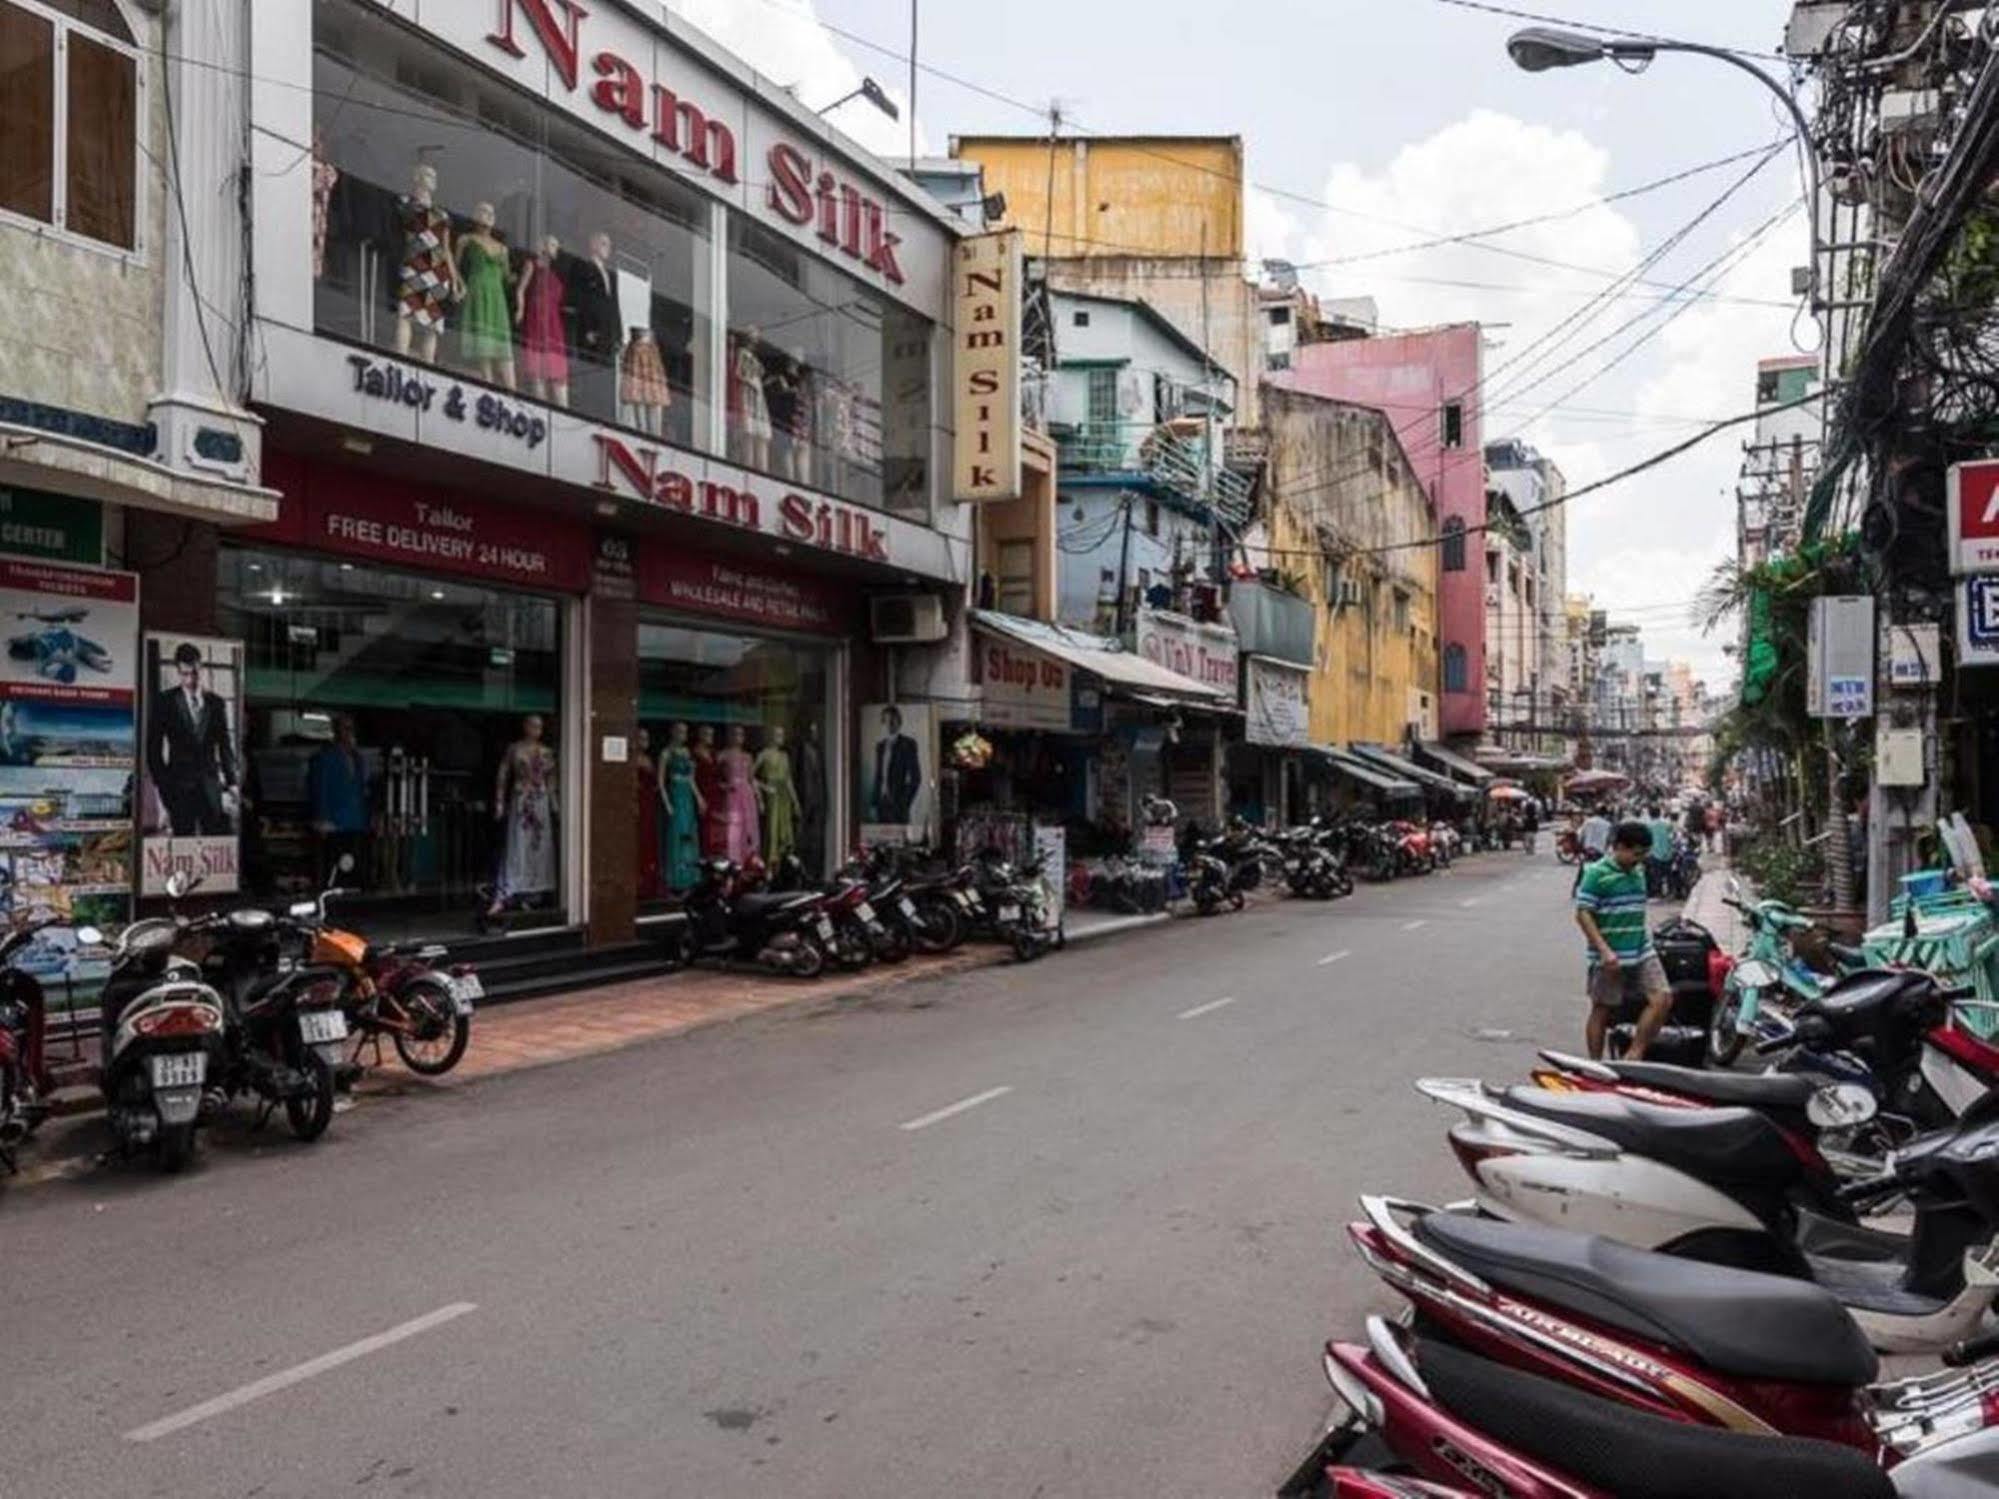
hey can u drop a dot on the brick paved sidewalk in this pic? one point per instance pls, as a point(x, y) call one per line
point(1705, 906)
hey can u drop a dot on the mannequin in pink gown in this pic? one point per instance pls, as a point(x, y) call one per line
point(742, 837)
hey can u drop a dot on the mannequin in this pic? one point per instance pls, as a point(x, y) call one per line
point(790, 397)
point(779, 798)
point(650, 841)
point(324, 176)
point(708, 791)
point(485, 326)
point(643, 393)
point(739, 789)
point(524, 804)
point(429, 274)
point(593, 293)
point(680, 830)
point(811, 792)
point(752, 410)
point(538, 310)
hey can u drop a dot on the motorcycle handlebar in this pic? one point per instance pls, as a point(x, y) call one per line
point(1857, 1194)
point(1971, 1350)
point(1960, 991)
point(1775, 1043)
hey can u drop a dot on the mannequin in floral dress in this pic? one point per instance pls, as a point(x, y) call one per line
point(538, 309)
point(680, 831)
point(741, 837)
point(486, 327)
point(746, 376)
point(649, 810)
point(524, 804)
point(708, 790)
point(427, 281)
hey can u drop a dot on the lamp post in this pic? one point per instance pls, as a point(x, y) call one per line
point(1539, 48)
point(869, 90)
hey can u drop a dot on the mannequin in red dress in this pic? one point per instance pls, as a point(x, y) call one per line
point(708, 783)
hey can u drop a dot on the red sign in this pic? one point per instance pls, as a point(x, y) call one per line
point(753, 595)
point(339, 510)
point(1973, 503)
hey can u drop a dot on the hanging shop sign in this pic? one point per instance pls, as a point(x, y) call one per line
point(68, 748)
point(345, 511)
point(730, 589)
point(1839, 657)
point(1024, 689)
point(191, 796)
point(57, 527)
point(613, 567)
point(985, 367)
point(1978, 620)
point(1204, 653)
point(1276, 712)
point(1971, 501)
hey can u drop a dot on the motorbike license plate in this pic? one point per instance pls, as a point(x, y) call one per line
point(824, 927)
point(465, 987)
point(317, 1027)
point(865, 911)
point(182, 1070)
point(907, 907)
point(1009, 913)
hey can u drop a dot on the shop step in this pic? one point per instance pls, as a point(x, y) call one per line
point(534, 974)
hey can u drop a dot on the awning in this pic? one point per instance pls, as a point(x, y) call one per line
point(1369, 776)
point(1410, 771)
point(1456, 764)
point(1102, 657)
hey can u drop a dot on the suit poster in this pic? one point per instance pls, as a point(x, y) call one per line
point(67, 755)
point(898, 772)
point(190, 801)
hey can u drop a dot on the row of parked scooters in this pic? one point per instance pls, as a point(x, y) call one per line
point(279, 1009)
point(1674, 1281)
point(1318, 859)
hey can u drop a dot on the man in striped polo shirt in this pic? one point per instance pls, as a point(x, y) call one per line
point(1610, 908)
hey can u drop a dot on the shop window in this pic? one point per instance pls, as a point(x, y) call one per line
point(1152, 517)
point(1454, 545)
point(409, 720)
point(734, 736)
point(69, 93)
point(458, 223)
point(1455, 675)
point(828, 383)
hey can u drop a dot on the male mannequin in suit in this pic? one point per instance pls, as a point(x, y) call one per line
point(898, 771)
point(190, 751)
point(593, 291)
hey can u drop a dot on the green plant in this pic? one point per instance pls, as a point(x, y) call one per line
point(1780, 870)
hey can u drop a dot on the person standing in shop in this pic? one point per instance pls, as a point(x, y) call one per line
point(191, 753)
point(337, 788)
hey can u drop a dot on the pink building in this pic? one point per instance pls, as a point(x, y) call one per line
point(1427, 383)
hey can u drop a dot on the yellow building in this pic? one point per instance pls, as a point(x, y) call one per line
point(1351, 530)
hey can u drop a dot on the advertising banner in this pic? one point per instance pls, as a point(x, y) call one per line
point(1276, 712)
point(190, 801)
point(67, 755)
point(1971, 501)
point(1978, 620)
point(897, 772)
point(1202, 653)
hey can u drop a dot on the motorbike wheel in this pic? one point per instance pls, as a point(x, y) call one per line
point(1237, 900)
point(447, 1032)
point(173, 1147)
point(310, 1115)
point(893, 946)
point(851, 951)
point(1204, 902)
point(1724, 1033)
point(937, 927)
point(1026, 946)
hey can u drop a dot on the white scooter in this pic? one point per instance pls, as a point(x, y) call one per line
point(1727, 1186)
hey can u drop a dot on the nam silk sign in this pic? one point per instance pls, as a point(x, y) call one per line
point(985, 366)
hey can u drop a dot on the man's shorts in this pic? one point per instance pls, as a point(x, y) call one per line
point(1629, 981)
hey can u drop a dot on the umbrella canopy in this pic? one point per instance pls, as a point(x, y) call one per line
point(1508, 794)
point(1597, 780)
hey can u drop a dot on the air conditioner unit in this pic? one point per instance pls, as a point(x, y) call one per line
point(899, 618)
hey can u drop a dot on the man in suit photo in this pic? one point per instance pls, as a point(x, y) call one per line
point(191, 752)
point(898, 771)
point(593, 295)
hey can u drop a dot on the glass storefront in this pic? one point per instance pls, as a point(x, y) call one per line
point(408, 720)
point(733, 755)
point(459, 223)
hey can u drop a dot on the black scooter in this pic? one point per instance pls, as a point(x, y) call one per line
point(784, 931)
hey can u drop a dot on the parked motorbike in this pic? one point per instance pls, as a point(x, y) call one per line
point(162, 1042)
point(24, 1082)
point(1769, 974)
point(1314, 866)
point(1729, 1187)
point(1210, 885)
point(1017, 906)
point(787, 932)
point(932, 902)
point(1569, 847)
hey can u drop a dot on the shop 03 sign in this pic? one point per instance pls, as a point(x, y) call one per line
point(1023, 689)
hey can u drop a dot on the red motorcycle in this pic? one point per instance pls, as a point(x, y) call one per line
point(24, 1082)
point(1413, 847)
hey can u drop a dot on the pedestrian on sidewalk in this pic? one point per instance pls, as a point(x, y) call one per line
point(1717, 817)
point(1595, 839)
point(1659, 829)
point(1610, 909)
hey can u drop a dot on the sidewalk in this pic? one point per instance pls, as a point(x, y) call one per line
point(1705, 906)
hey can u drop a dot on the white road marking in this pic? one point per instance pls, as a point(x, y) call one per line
point(924, 1121)
point(270, 1384)
point(1334, 957)
point(1474, 900)
point(1410, 926)
point(1208, 1008)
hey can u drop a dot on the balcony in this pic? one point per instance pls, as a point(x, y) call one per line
point(1174, 458)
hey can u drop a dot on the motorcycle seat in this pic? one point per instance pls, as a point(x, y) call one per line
point(1722, 1146)
point(1750, 1090)
point(1632, 1453)
point(1739, 1322)
point(1851, 957)
point(763, 902)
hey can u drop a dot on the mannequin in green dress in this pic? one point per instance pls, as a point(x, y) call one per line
point(486, 323)
point(779, 795)
point(680, 828)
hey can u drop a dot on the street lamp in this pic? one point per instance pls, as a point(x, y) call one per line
point(872, 92)
point(1539, 48)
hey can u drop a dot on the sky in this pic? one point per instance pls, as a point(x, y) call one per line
point(1370, 125)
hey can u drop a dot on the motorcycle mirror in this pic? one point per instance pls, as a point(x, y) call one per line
point(345, 863)
point(1839, 1104)
point(89, 936)
point(300, 909)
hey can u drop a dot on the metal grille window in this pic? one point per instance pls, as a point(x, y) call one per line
point(1454, 545)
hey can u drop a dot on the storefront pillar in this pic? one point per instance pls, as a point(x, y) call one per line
point(612, 694)
point(179, 580)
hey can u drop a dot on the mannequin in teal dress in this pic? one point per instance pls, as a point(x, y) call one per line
point(680, 829)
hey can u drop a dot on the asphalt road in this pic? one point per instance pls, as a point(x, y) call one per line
point(1069, 1228)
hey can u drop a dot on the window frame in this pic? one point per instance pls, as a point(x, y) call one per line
point(57, 227)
